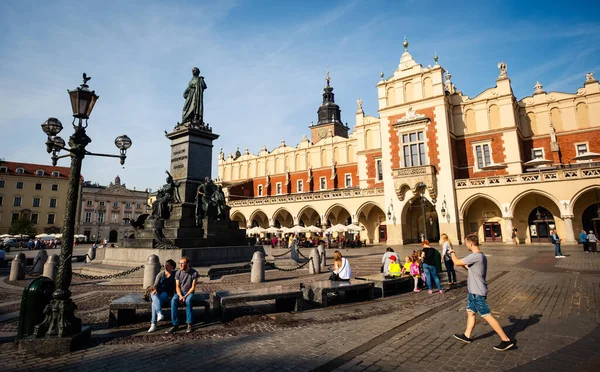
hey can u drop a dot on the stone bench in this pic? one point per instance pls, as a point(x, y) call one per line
point(122, 310)
point(383, 283)
point(319, 291)
point(288, 299)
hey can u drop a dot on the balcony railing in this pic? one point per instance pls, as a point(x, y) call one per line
point(541, 176)
point(318, 195)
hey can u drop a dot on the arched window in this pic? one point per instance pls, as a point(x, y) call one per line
point(427, 87)
point(408, 92)
point(470, 121)
point(531, 120)
point(494, 115)
point(323, 158)
point(368, 139)
point(583, 119)
point(298, 162)
point(350, 150)
point(556, 119)
point(391, 96)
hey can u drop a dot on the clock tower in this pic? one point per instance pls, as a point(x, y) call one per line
point(330, 117)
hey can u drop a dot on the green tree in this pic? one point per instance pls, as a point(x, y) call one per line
point(22, 226)
point(52, 230)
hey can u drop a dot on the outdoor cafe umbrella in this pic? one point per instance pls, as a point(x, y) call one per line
point(339, 228)
point(5, 236)
point(354, 228)
point(298, 229)
point(537, 161)
point(314, 229)
point(255, 230)
point(272, 230)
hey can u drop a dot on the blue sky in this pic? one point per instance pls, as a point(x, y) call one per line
point(264, 64)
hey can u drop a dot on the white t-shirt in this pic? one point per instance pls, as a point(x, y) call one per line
point(385, 260)
point(344, 271)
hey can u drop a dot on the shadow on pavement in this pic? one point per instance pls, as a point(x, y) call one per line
point(517, 325)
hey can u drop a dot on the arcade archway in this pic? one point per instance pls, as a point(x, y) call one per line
point(483, 216)
point(371, 216)
point(534, 215)
point(113, 236)
point(259, 219)
point(338, 214)
point(308, 216)
point(419, 221)
point(238, 217)
point(283, 218)
point(586, 211)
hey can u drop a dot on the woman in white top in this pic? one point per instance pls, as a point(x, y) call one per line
point(446, 248)
point(385, 260)
point(341, 267)
point(592, 241)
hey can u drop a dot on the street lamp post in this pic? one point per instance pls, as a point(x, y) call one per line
point(60, 319)
point(422, 187)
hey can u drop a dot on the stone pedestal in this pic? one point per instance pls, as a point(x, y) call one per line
point(51, 346)
point(191, 158)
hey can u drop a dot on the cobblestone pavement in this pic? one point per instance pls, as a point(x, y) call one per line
point(550, 306)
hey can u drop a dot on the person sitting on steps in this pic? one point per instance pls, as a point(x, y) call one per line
point(185, 285)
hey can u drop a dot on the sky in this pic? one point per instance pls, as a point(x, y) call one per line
point(264, 63)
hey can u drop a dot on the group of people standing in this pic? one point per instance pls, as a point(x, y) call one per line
point(589, 241)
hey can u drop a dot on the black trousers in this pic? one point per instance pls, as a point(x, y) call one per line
point(586, 246)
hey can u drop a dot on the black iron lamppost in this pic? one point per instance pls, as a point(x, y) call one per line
point(422, 187)
point(60, 319)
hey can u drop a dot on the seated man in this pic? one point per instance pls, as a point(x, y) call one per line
point(185, 285)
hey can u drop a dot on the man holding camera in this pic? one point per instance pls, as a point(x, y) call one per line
point(476, 264)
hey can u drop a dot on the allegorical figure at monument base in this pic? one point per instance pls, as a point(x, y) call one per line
point(193, 108)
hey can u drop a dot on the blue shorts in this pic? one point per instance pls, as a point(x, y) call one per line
point(477, 304)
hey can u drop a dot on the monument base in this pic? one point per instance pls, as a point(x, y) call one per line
point(54, 346)
point(199, 256)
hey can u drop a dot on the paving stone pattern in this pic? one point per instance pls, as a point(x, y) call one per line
point(549, 306)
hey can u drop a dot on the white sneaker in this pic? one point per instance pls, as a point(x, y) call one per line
point(556, 256)
point(563, 256)
point(152, 328)
point(159, 317)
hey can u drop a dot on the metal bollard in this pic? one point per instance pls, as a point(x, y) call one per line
point(257, 275)
point(151, 270)
point(51, 267)
point(17, 267)
point(322, 254)
point(315, 266)
point(294, 253)
point(90, 255)
point(39, 260)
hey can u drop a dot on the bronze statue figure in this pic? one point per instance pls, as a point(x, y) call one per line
point(210, 202)
point(193, 108)
point(166, 196)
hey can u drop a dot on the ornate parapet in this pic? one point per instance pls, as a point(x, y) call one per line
point(409, 178)
point(533, 177)
point(305, 197)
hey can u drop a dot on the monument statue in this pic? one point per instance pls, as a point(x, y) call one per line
point(193, 108)
point(210, 202)
point(166, 196)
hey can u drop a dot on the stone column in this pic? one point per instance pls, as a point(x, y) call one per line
point(151, 269)
point(257, 273)
point(507, 233)
point(569, 234)
point(51, 267)
point(315, 266)
point(18, 267)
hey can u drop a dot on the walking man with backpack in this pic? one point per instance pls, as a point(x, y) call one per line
point(476, 264)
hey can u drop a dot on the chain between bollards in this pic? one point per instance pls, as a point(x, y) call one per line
point(294, 269)
point(110, 276)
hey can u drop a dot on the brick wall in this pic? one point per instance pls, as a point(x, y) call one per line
point(430, 135)
point(466, 158)
point(372, 169)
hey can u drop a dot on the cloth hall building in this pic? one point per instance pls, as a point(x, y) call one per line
point(434, 160)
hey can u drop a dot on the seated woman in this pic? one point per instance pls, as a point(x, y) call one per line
point(341, 268)
point(164, 288)
point(385, 260)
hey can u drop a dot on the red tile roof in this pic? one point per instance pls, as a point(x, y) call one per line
point(29, 170)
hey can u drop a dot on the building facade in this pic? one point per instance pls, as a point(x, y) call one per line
point(35, 191)
point(434, 161)
point(105, 211)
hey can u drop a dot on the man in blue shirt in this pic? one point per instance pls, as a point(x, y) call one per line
point(476, 264)
point(583, 239)
point(556, 242)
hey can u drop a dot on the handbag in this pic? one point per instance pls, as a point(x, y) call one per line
point(147, 293)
